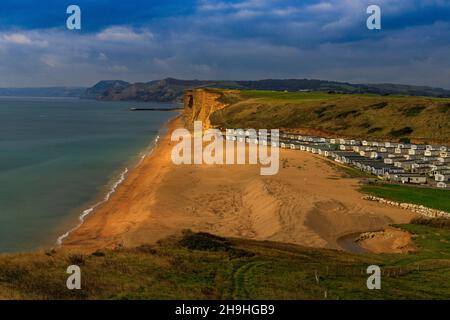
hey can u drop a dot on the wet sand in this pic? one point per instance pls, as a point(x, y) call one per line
point(306, 203)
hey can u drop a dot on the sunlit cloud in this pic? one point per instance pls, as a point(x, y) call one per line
point(22, 39)
point(124, 34)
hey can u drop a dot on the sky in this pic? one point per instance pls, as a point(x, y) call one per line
point(144, 40)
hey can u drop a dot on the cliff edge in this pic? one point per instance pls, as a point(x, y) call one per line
point(200, 104)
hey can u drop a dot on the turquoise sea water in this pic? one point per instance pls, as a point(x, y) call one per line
point(58, 157)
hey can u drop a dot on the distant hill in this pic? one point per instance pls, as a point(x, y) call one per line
point(43, 92)
point(172, 89)
point(159, 90)
point(103, 88)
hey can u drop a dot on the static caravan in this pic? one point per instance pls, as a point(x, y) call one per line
point(391, 160)
point(431, 153)
point(418, 179)
point(444, 160)
point(442, 185)
point(442, 177)
point(410, 178)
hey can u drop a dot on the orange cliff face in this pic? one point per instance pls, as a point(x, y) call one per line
point(199, 105)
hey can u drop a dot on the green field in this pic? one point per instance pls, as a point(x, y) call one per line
point(362, 116)
point(202, 266)
point(287, 96)
point(432, 198)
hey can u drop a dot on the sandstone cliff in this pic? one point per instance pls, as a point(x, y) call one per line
point(200, 104)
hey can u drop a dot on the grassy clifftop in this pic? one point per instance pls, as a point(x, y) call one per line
point(363, 116)
point(203, 266)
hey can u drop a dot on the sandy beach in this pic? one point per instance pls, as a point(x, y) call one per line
point(307, 203)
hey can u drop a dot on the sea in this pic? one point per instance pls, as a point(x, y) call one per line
point(61, 157)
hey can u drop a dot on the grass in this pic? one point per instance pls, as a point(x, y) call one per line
point(432, 198)
point(286, 96)
point(350, 172)
point(203, 266)
point(361, 116)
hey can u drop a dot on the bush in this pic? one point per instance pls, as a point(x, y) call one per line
point(401, 132)
point(203, 241)
point(441, 223)
point(207, 242)
point(76, 259)
point(405, 140)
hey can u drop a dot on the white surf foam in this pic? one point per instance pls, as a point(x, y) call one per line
point(113, 189)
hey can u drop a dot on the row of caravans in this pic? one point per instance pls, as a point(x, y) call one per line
point(404, 163)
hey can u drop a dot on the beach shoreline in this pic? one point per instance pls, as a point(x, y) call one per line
point(306, 203)
point(115, 183)
point(71, 238)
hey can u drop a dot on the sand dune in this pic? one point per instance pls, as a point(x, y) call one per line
point(306, 203)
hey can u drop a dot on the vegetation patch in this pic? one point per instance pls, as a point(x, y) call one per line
point(345, 114)
point(322, 110)
point(373, 130)
point(204, 241)
point(428, 197)
point(208, 242)
point(271, 271)
point(444, 108)
point(350, 115)
point(414, 111)
point(378, 106)
point(401, 132)
point(441, 223)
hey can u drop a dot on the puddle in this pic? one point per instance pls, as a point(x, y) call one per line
point(349, 244)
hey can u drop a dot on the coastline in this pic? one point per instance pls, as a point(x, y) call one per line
point(306, 203)
point(84, 234)
point(115, 184)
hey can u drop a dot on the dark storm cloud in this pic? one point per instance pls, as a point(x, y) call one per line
point(245, 39)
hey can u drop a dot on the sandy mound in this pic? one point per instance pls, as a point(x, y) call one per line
point(389, 240)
